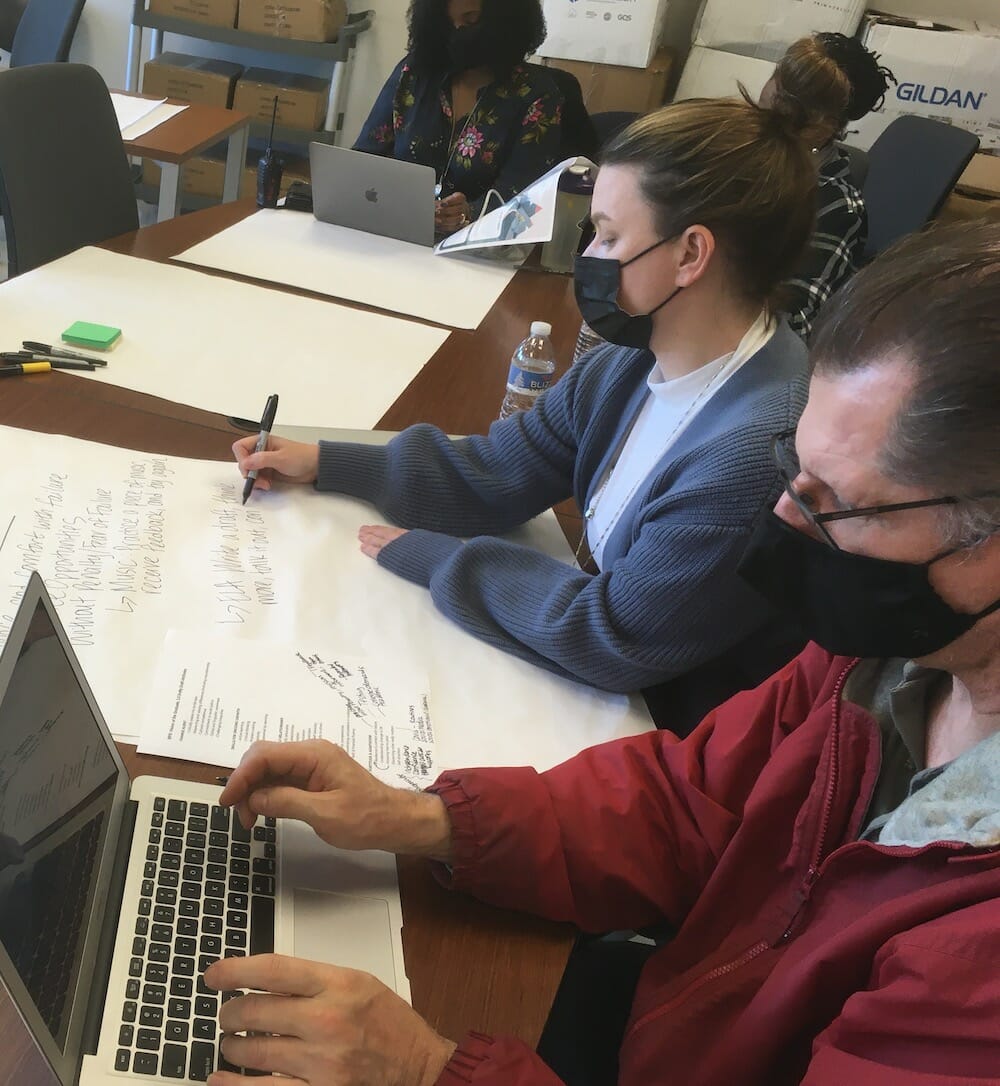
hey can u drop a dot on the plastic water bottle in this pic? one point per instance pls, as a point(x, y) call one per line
point(531, 370)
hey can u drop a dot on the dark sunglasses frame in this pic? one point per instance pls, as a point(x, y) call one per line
point(782, 461)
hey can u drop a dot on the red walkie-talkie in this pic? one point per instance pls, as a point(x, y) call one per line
point(269, 169)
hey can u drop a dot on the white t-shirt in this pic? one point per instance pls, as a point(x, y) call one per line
point(669, 409)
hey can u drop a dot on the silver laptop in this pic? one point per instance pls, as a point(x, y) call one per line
point(367, 192)
point(116, 895)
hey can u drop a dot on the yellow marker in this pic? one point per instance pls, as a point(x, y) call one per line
point(12, 370)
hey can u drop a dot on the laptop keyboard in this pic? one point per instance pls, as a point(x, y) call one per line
point(207, 893)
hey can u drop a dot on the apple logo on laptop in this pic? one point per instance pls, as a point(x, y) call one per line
point(372, 196)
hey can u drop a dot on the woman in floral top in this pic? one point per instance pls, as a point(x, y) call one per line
point(464, 102)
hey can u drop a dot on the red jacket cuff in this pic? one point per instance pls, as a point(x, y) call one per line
point(495, 1061)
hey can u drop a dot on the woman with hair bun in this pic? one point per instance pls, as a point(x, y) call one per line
point(662, 436)
point(463, 101)
point(827, 81)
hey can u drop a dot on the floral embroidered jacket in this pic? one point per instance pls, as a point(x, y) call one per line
point(509, 139)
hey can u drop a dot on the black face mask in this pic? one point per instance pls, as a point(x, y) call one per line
point(597, 284)
point(470, 47)
point(850, 604)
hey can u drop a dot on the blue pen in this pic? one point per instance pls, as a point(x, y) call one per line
point(270, 410)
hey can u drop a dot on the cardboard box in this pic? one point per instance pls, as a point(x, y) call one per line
point(212, 12)
point(303, 20)
point(948, 74)
point(619, 32)
point(205, 175)
point(983, 10)
point(711, 73)
point(981, 177)
point(765, 28)
point(958, 208)
point(191, 79)
point(301, 98)
point(611, 87)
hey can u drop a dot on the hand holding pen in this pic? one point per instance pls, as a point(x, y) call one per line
point(284, 461)
point(266, 423)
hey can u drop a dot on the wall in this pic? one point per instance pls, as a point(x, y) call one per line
point(102, 41)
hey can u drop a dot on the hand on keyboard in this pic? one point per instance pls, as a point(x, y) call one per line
point(319, 1023)
point(318, 783)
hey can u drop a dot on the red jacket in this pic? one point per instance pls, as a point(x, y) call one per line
point(803, 956)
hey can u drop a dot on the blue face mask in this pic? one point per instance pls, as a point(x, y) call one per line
point(597, 284)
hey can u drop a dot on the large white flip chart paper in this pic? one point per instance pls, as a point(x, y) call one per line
point(132, 545)
point(221, 345)
point(295, 249)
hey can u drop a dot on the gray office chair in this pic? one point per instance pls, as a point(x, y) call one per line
point(912, 168)
point(45, 32)
point(10, 15)
point(64, 177)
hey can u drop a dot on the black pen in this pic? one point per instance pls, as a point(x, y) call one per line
point(60, 352)
point(270, 410)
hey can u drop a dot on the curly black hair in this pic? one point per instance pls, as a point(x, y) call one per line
point(869, 80)
point(513, 29)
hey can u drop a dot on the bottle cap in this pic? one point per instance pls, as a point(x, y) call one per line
point(578, 180)
point(541, 328)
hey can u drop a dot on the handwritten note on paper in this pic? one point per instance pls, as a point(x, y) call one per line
point(132, 545)
point(214, 696)
point(102, 547)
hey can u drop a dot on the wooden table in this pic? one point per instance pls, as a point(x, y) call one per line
point(188, 133)
point(470, 966)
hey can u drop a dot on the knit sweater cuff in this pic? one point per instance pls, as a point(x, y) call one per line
point(417, 554)
point(355, 470)
point(473, 1050)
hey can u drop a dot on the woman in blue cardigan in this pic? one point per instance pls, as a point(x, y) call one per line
point(662, 436)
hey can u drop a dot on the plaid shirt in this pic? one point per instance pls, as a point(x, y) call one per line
point(836, 249)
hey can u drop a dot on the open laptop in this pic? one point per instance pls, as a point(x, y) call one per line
point(367, 192)
point(116, 895)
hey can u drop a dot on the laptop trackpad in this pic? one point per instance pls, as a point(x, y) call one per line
point(344, 930)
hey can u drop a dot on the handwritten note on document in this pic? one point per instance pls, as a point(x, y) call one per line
point(132, 545)
point(213, 696)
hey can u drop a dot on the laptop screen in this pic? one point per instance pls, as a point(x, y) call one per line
point(58, 780)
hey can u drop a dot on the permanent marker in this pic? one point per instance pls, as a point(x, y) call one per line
point(15, 369)
point(55, 363)
point(270, 410)
point(59, 352)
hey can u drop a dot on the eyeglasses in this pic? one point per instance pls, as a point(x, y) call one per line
point(786, 460)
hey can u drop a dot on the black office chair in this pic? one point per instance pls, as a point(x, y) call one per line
point(578, 134)
point(45, 32)
point(64, 177)
point(912, 168)
point(610, 124)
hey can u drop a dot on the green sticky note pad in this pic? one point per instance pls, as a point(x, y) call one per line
point(98, 337)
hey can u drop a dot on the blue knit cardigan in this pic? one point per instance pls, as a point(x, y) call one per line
point(668, 600)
